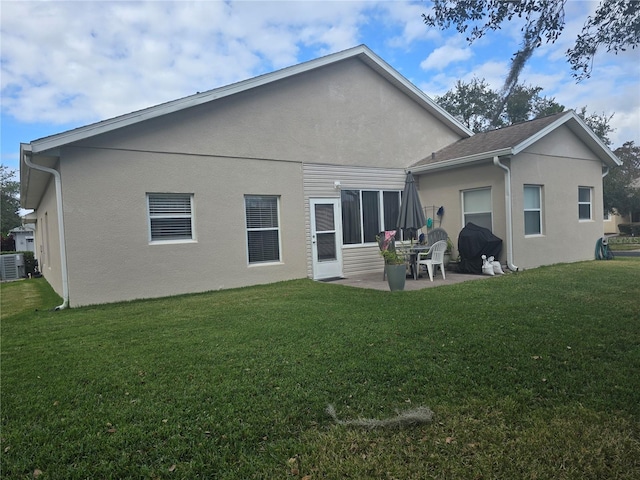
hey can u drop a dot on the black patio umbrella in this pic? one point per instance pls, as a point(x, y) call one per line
point(411, 218)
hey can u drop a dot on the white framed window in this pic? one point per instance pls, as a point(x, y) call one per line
point(476, 207)
point(262, 214)
point(170, 217)
point(532, 210)
point(584, 203)
point(366, 213)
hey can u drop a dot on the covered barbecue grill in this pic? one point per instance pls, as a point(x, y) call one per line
point(473, 242)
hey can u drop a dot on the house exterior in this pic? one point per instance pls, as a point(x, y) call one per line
point(537, 185)
point(24, 238)
point(612, 220)
point(286, 175)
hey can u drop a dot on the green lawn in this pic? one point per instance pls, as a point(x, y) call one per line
point(534, 375)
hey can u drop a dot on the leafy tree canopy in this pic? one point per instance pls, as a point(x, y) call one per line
point(9, 202)
point(475, 104)
point(622, 185)
point(615, 26)
point(600, 123)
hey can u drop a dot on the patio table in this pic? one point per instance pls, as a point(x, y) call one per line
point(410, 253)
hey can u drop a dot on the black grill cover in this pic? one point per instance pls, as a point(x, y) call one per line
point(473, 242)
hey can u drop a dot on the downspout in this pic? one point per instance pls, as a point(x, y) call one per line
point(604, 174)
point(507, 202)
point(63, 249)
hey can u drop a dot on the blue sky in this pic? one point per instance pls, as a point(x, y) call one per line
point(68, 64)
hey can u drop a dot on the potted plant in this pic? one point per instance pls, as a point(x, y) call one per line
point(395, 266)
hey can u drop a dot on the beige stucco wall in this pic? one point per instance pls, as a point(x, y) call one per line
point(341, 114)
point(444, 188)
point(47, 239)
point(255, 142)
point(109, 254)
point(560, 163)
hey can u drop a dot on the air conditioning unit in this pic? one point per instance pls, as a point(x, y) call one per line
point(12, 266)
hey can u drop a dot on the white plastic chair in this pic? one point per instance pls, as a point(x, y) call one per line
point(437, 258)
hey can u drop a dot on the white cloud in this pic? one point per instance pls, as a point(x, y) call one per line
point(443, 56)
point(69, 63)
point(107, 58)
point(408, 19)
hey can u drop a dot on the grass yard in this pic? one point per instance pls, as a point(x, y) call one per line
point(533, 375)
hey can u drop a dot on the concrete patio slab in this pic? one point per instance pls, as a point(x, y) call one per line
point(374, 281)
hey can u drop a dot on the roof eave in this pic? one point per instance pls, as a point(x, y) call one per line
point(24, 173)
point(585, 133)
point(362, 51)
point(458, 162)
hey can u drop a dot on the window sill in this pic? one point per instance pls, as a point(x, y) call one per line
point(170, 242)
point(264, 264)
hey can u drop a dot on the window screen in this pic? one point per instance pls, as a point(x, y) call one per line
point(532, 210)
point(365, 213)
point(263, 229)
point(170, 216)
point(584, 203)
point(476, 206)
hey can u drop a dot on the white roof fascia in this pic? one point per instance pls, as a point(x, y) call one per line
point(541, 133)
point(604, 148)
point(105, 126)
point(570, 115)
point(457, 162)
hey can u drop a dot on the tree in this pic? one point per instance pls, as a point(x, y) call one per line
point(599, 123)
point(616, 26)
point(472, 103)
point(9, 202)
point(475, 104)
point(621, 187)
point(525, 103)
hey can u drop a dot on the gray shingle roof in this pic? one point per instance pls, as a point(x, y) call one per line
point(491, 141)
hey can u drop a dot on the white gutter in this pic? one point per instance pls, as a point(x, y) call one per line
point(456, 162)
point(63, 249)
point(606, 171)
point(507, 202)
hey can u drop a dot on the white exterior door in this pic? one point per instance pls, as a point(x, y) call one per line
point(326, 237)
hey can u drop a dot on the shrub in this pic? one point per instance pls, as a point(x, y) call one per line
point(630, 228)
point(29, 263)
point(7, 243)
point(624, 240)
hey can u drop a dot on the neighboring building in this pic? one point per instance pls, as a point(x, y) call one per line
point(291, 175)
point(24, 238)
point(611, 222)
